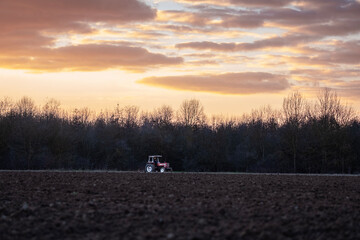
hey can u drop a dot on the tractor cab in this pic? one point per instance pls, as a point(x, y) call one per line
point(154, 159)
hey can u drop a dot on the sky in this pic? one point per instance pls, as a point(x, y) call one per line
point(232, 55)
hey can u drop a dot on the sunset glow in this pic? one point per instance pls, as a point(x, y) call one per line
point(232, 55)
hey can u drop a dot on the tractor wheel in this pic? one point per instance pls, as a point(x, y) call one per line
point(149, 168)
point(162, 170)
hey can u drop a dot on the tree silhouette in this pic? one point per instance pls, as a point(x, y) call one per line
point(191, 113)
point(294, 107)
point(305, 136)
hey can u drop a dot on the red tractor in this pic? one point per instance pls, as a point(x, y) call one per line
point(154, 164)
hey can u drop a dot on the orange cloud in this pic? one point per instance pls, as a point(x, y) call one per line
point(28, 33)
point(43, 35)
point(69, 15)
point(228, 83)
point(90, 57)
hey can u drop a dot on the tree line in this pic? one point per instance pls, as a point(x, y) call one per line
point(302, 137)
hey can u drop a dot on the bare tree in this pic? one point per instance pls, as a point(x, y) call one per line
point(5, 106)
point(127, 116)
point(25, 107)
point(27, 138)
point(266, 114)
point(224, 121)
point(329, 107)
point(261, 121)
point(51, 109)
point(81, 116)
point(345, 115)
point(163, 115)
point(333, 117)
point(191, 113)
point(328, 103)
point(294, 107)
point(130, 116)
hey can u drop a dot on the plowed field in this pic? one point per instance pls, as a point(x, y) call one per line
point(103, 205)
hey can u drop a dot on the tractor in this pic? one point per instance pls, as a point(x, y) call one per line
point(155, 165)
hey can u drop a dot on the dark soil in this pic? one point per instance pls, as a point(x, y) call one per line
point(100, 205)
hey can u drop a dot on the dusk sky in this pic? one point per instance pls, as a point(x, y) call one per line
point(232, 55)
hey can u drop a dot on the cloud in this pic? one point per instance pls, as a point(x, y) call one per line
point(324, 76)
point(290, 40)
point(43, 35)
point(349, 89)
point(341, 53)
point(29, 31)
point(326, 18)
point(339, 28)
point(344, 53)
point(262, 3)
point(206, 45)
point(329, 74)
point(228, 83)
point(90, 57)
point(69, 15)
point(22, 42)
